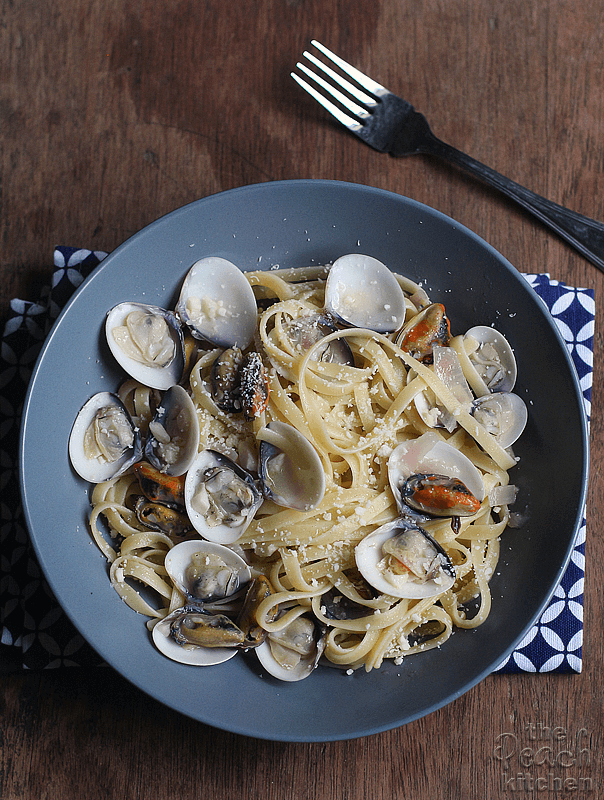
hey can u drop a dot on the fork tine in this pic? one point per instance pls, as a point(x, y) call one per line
point(363, 80)
point(349, 104)
point(352, 90)
point(344, 119)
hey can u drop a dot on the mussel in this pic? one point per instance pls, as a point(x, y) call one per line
point(439, 496)
point(459, 484)
point(428, 328)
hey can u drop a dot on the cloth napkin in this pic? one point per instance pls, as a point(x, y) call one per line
point(34, 631)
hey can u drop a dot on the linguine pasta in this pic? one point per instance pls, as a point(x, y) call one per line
point(354, 416)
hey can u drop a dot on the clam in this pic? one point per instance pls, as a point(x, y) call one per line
point(205, 571)
point(448, 369)
point(492, 357)
point(292, 653)
point(217, 303)
point(147, 342)
point(361, 292)
point(173, 438)
point(221, 497)
point(103, 442)
point(401, 559)
point(306, 331)
point(428, 328)
point(427, 456)
point(503, 414)
point(291, 471)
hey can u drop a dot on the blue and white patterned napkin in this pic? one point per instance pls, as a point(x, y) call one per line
point(34, 631)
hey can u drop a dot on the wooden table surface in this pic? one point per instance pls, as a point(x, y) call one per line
point(115, 113)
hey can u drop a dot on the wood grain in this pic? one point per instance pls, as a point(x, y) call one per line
point(113, 114)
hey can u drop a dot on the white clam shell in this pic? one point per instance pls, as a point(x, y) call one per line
point(177, 415)
point(218, 304)
point(296, 479)
point(504, 414)
point(179, 558)
point(484, 334)
point(92, 469)
point(156, 377)
point(369, 553)
point(362, 292)
point(302, 670)
point(223, 534)
point(428, 454)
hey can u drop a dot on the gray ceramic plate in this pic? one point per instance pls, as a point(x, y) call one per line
point(295, 224)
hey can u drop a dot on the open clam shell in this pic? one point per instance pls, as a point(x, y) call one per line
point(292, 653)
point(291, 471)
point(493, 359)
point(217, 303)
point(503, 414)
point(173, 438)
point(362, 292)
point(147, 342)
point(427, 570)
point(221, 497)
point(103, 442)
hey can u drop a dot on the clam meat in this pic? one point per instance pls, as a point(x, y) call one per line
point(503, 414)
point(492, 357)
point(205, 571)
point(221, 497)
point(401, 559)
point(103, 442)
point(291, 471)
point(292, 653)
point(147, 342)
point(217, 303)
point(361, 292)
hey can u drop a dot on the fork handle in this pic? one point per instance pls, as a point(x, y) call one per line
point(583, 233)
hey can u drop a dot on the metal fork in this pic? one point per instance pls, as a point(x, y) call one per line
point(391, 125)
